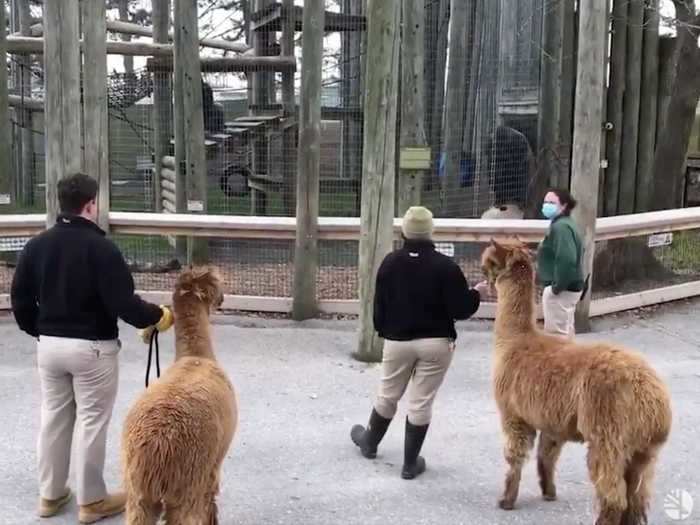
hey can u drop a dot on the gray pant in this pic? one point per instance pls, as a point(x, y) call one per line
point(427, 360)
point(559, 312)
point(79, 382)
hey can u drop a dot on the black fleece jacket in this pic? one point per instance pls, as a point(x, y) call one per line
point(71, 281)
point(420, 293)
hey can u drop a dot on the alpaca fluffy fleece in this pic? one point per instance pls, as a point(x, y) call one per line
point(178, 432)
point(600, 394)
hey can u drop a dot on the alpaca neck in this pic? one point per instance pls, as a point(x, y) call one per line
point(515, 311)
point(192, 332)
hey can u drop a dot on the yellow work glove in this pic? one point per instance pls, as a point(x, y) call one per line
point(166, 321)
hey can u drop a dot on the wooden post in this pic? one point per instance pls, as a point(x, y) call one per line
point(27, 115)
point(438, 66)
point(568, 81)
point(647, 108)
point(616, 95)
point(187, 62)
point(378, 174)
point(305, 304)
point(95, 101)
point(62, 99)
point(260, 96)
point(351, 160)
point(289, 134)
point(631, 104)
point(454, 103)
point(5, 144)
point(412, 98)
point(667, 70)
point(550, 94)
point(180, 151)
point(588, 119)
point(162, 100)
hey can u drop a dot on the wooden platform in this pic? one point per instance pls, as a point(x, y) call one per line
point(327, 112)
point(270, 19)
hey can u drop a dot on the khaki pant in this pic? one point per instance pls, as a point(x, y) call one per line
point(427, 361)
point(78, 388)
point(559, 311)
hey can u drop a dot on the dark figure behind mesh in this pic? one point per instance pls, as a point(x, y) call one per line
point(511, 152)
point(213, 113)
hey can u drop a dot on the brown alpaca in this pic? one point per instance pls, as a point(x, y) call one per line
point(177, 433)
point(600, 394)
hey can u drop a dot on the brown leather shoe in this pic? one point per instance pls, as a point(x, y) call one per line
point(112, 505)
point(51, 507)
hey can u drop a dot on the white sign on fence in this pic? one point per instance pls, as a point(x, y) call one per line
point(445, 248)
point(660, 239)
point(12, 244)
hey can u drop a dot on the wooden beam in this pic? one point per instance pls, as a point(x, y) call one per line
point(454, 103)
point(616, 96)
point(378, 173)
point(187, 64)
point(5, 142)
point(95, 105)
point(588, 118)
point(550, 95)
point(35, 45)
point(648, 109)
point(62, 100)
point(271, 18)
point(289, 135)
point(27, 175)
point(568, 80)
point(412, 98)
point(244, 64)
point(32, 104)
point(309, 159)
point(162, 98)
point(631, 105)
point(118, 26)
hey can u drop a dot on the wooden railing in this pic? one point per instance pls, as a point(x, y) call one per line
point(348, 229)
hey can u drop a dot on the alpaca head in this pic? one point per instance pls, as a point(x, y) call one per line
point(507, 262)
point(199, 285)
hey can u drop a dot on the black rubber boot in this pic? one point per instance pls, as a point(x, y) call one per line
point(413, 464)
point(368, 439)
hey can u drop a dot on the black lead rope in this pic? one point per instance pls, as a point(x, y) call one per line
point(153, 343)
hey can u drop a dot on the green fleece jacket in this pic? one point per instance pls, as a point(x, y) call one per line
point(559, 257)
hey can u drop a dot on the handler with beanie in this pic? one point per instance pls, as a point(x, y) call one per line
point(419, 295)
point(69, 288)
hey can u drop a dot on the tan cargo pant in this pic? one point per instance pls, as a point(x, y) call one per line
point(559, 312)
point(78, 387)
point(425, 361)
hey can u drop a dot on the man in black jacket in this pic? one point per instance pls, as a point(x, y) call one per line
point(419, 295)
point(70, 287)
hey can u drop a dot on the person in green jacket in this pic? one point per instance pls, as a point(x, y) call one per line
point(559, 260)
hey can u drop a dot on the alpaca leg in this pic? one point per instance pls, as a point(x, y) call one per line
point(607, 471)
point(548, 451)
point(190, 513)
point(213, 510)
point(141, 512)
point(520, 438)
point(639, 476)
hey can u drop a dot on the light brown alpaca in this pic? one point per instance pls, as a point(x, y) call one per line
point(600, 394)
point(177, 433)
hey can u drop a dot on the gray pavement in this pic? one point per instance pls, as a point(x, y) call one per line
point(292, 461)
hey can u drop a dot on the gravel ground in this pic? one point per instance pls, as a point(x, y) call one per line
point(292, 461)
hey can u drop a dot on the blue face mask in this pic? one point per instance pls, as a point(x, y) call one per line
point(550, 210)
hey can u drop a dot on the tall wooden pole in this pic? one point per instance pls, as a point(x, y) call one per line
point(28, 176)
point(162, 100)
point(412, 98)
point(289, 135)
point(454, 103)
point(62, 99)
point(616, 96)
point(568, 80)
point(5, 149)
point(187, 62)
point(550, 94)
point(647, 108)
point(304, 304)
point(378, 173)
point(588, 119)
point(631, 106)
point(95, 101)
